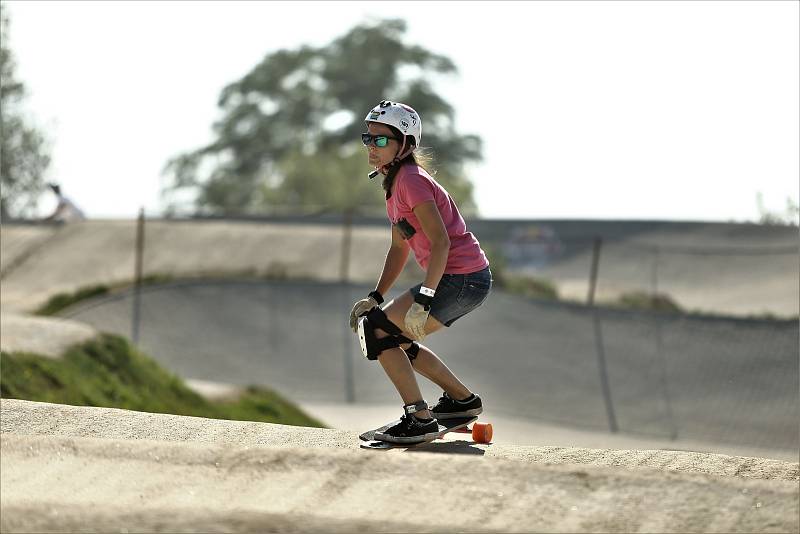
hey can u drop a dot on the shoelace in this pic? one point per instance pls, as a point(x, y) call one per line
point(405, 423)
point(447, 402)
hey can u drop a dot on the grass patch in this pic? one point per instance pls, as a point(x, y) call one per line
point(640, 300)
point(109, 372)
point(61, 301)
point(517, 284)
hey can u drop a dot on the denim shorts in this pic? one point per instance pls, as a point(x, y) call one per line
point(458, 294)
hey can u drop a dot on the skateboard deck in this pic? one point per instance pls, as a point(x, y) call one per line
point(445, 426)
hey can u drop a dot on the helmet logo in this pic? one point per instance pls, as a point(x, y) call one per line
point(404, 124)
point(374, 115)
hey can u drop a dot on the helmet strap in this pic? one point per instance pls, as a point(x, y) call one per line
point(402, 153)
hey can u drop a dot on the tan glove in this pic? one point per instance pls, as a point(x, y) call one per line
point(415, 320)
point(360, 308)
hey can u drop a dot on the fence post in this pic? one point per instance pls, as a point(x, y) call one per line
point(344, 275)
point(601, 364)
point(598, 243)
point(137, 287)
point(598, 336)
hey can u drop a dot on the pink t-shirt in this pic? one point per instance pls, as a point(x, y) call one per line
point(412, 186)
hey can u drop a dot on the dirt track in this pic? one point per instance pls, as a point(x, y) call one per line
point(75, 468)
point(237, 332)
point(65, 468)
point(41, 260)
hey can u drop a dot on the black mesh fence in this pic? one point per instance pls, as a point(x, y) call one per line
point(723, 368)
point(733, 381)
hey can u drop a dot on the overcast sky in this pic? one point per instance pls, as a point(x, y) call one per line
point(614, 110)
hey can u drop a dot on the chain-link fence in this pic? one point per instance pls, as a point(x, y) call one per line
point(728, 380)
point(739, 270)
point(728, 375)
point(716, 376)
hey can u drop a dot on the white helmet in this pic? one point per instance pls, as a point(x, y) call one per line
point(400, 116)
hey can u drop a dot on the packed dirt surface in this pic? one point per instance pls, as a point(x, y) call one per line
point(45, 336)
point(698, 263)
point(42, 261)
point(76, 468)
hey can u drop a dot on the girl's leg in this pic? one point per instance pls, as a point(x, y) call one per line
point(394, 361)
point(431, 367)
point(399, 369)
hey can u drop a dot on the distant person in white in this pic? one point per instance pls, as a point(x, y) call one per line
point(66, 210)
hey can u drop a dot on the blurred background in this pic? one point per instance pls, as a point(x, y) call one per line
point(190, 175)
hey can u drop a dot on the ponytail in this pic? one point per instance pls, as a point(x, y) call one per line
point(420, 157)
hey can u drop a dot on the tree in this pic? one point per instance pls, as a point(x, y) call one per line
point(790, 217)
point(289, 132)
point(24, 157)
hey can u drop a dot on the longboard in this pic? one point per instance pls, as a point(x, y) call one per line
point(481, 433)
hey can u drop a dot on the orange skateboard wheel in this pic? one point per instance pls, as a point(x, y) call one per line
point(482, 432)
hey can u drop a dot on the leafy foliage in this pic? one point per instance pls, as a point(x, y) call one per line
point(790, 217)
point(60, 301)
point(108, 372)
point(24, 156)
point(642, 300)
point(289, 132)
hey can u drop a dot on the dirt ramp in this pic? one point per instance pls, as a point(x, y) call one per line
point(61, 518)
point(75, 468)
point(46, 261)
point(59, 420)
point(90, 479)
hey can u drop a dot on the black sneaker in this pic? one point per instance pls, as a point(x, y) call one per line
point(410, 430)
point(448, 408)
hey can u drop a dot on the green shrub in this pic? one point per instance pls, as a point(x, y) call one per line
point(641, 300)
point(109, 372)
point(63, 300)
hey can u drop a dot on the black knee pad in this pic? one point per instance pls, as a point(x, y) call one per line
point(371, 346)
point(413, 351)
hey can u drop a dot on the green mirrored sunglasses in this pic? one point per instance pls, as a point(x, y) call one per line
point(377, 140)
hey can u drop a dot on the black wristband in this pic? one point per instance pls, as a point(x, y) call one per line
point(425, 300)
point(377, 296)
